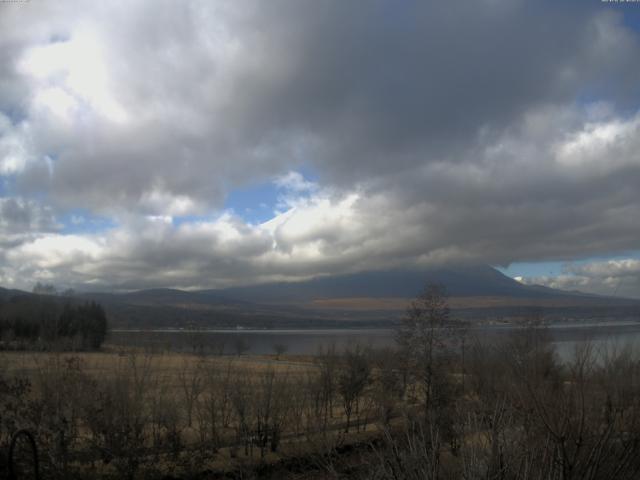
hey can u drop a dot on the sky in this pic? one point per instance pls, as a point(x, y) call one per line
point(204, 144)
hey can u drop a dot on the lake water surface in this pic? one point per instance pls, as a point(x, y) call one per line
point(565, 337)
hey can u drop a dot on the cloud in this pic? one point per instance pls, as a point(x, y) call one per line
point(511, 137)
point(616, 277)
point(295, 182)
point(21, 222)
point(189, 99)
point(19, 215)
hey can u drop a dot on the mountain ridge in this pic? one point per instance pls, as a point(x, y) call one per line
point(465, 281)
point(475, 292)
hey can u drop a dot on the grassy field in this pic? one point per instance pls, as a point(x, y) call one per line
point(179, 413)
point(364, 414)
point(168, 365)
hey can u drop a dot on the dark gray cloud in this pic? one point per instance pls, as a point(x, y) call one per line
point(22, 216)
point(218, 95)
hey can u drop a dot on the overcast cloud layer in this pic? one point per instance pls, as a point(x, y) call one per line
point(487, 131)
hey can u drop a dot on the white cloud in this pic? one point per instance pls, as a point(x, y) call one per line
point(70, 78)
point(295, 182)
point(602, 146)
point(14, 149)
point(615, 277)
point(55, 251)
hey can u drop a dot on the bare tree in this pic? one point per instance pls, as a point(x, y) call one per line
point(325, 388)
point(422, 337)
point(389, 385)
point(353, 379)
point(280, 349)
point(214, 406)
point(241, 345)
point(191, 384)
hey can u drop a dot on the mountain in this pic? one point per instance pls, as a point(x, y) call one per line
point(360, 299)
point(463, 281)
point(367, 298)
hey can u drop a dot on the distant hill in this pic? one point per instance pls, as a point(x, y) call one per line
point(168, 297)
point(6, 294)
point(359, 299)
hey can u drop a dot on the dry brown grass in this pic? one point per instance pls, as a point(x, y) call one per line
point(400, 304)
point(166, 365)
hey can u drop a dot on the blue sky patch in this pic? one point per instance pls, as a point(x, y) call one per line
point(257, 203)
point(6, 185)
point(183, 219)
point(553, 269)
point(81, 221)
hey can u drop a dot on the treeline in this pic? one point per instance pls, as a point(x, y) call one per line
point(34, 321)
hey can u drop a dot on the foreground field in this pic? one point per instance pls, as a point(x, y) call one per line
point(169, 365)
point(508, 412)
point(127, 413)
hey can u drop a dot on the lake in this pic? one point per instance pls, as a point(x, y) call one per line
point(259, 342)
